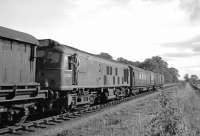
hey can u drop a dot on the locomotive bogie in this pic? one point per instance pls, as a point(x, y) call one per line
point(82, 99)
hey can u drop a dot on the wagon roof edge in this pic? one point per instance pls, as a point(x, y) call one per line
point(17, 36)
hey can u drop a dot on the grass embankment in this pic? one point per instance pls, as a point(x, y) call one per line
point(162, 115)
point(179, 115)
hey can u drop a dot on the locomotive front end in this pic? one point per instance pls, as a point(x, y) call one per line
point(48, 67)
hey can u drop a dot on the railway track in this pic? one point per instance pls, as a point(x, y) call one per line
point(53, 120)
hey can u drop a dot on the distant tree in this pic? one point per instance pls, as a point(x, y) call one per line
point(157, 64)
point(137, 63)
point(105, 55)
point(125, 61)
point(122, 60)
point(186, 77)
point(195, 77)
point(174, 74)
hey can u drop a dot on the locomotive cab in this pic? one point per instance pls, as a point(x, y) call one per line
point(48, 66)
point(55, 69)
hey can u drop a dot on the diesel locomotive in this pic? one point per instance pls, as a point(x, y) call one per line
point(38, 76)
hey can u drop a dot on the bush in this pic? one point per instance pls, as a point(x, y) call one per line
point(168, 121)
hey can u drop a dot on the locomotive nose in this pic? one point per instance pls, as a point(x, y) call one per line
point(48, 78)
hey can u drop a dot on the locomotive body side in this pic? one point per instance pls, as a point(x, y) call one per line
point(100, 73)
point(92, 71)
point(82, 74)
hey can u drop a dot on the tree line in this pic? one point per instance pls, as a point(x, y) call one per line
point(154, 64)
point(191, 78)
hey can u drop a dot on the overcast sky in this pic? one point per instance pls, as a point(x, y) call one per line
point(132, 29)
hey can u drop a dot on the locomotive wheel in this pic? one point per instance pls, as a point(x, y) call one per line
point(13, 117)
point(97, 100)
point(105, 97)
point(60, 106)
point(8, 119)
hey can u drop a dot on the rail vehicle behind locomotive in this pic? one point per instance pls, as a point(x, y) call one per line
point(18, 88)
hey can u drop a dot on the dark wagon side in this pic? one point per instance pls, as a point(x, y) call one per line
point(144, 80)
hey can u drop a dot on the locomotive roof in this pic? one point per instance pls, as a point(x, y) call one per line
point(55, 43)
point(17, 36)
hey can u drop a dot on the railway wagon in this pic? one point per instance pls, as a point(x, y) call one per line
point(80, 75)
point(162, 80)
point(142, 80)
point(17, 73)
point(159, 79)
point(152, 79)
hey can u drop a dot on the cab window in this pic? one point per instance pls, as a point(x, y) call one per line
point(40, 53)
point(66, 63)
point(52, 57)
